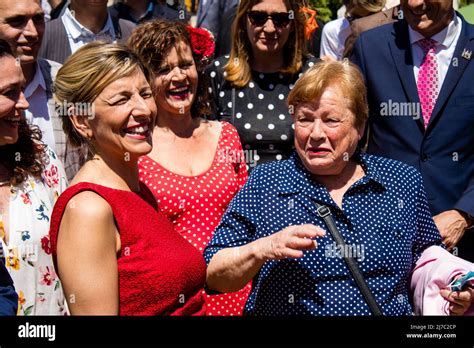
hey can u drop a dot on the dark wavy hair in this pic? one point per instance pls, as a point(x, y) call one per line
point(28, 154)
point(153, 40)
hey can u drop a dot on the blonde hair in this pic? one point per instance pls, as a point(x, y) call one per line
point(345, 75)
point(238, 69)
point(371, 6)
point(86, 73)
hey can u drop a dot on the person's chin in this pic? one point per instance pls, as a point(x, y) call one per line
point(27, 58)
point(141, 149)
point(269, 47)
point(145, 149)
point(318, 165)
point(8, 139)
point(179, 106)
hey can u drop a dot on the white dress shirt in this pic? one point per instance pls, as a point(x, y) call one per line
point(333, 38)
point(78, 35)
point(38, 113)
point(446, 44)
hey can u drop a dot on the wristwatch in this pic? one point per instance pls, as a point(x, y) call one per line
point(470, 220)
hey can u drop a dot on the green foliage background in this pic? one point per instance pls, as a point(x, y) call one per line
point(327, 9)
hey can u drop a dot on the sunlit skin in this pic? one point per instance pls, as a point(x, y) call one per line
point(268, 41)
point(176, 81)
point(12, 105)
point(325, 133)
point(89, 241)
point(90, 13)
point(12, 100)
point(22, 26)
point(187, 144)
point(122, 106)
point(428, 17)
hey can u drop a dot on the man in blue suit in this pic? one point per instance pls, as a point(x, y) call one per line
point(210, 13)
point(421, 101)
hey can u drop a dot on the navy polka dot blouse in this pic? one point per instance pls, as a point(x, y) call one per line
point(385, 219)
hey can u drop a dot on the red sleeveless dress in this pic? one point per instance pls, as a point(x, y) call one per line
point(160, 273)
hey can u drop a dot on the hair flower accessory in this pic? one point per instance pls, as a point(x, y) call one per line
point(310, 25)
point(202, 44)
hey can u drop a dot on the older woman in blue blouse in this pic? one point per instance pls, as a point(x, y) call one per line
point(271, 232)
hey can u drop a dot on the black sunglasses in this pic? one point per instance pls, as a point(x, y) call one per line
point(259, 18)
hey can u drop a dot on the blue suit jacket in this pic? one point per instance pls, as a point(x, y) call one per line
point(8, 296)
point(210, 13)
point(444, 152)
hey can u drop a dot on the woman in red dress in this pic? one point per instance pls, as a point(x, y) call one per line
point(115, 253)
point(197, 166)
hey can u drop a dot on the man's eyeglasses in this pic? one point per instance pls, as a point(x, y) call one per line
point(259, 18)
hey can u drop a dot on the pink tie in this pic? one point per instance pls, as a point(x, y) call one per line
point(428, 79)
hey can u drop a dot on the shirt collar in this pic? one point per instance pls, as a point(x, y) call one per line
point(445, 37)
point(77, 30)
point(37, 82)
point(150, 9)
point(302, 181)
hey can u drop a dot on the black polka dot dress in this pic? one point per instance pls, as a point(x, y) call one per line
point(384, 218)
point(258, 111)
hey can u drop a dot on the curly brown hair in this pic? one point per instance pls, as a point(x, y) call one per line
point(153, 40)
point(28, 154)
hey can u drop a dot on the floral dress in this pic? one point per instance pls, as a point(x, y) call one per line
point(28, 252)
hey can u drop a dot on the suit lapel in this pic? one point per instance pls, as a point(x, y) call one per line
point(455, 71)
point(403, 60)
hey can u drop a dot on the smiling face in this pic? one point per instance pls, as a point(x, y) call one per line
point(268, 38)
point(124, 117)
point(325, 133)
point(176, 81)
point(428, 17)
point(22, 26)
point(12, 99)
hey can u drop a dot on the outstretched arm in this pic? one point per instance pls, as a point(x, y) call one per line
point(231, 268)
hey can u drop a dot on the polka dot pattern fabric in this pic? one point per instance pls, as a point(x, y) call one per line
point(258, 111)
point(195, 204)
point(428, 84)
point(384, 218)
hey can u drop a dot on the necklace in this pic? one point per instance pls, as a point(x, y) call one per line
point(5, 183)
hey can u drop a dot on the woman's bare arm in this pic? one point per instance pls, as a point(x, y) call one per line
point(87, 260)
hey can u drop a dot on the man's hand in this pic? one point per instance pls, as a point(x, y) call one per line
point(451, 224)
point(460, 301)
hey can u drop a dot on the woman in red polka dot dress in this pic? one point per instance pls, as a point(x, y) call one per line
point(196, 166)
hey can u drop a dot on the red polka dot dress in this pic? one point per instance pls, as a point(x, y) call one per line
point(195, 204)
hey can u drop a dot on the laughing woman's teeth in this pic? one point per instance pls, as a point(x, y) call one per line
point(138, 130)
point(179, 90)
point(12, 119)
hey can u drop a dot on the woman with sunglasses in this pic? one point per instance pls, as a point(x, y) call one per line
point(251, 85)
